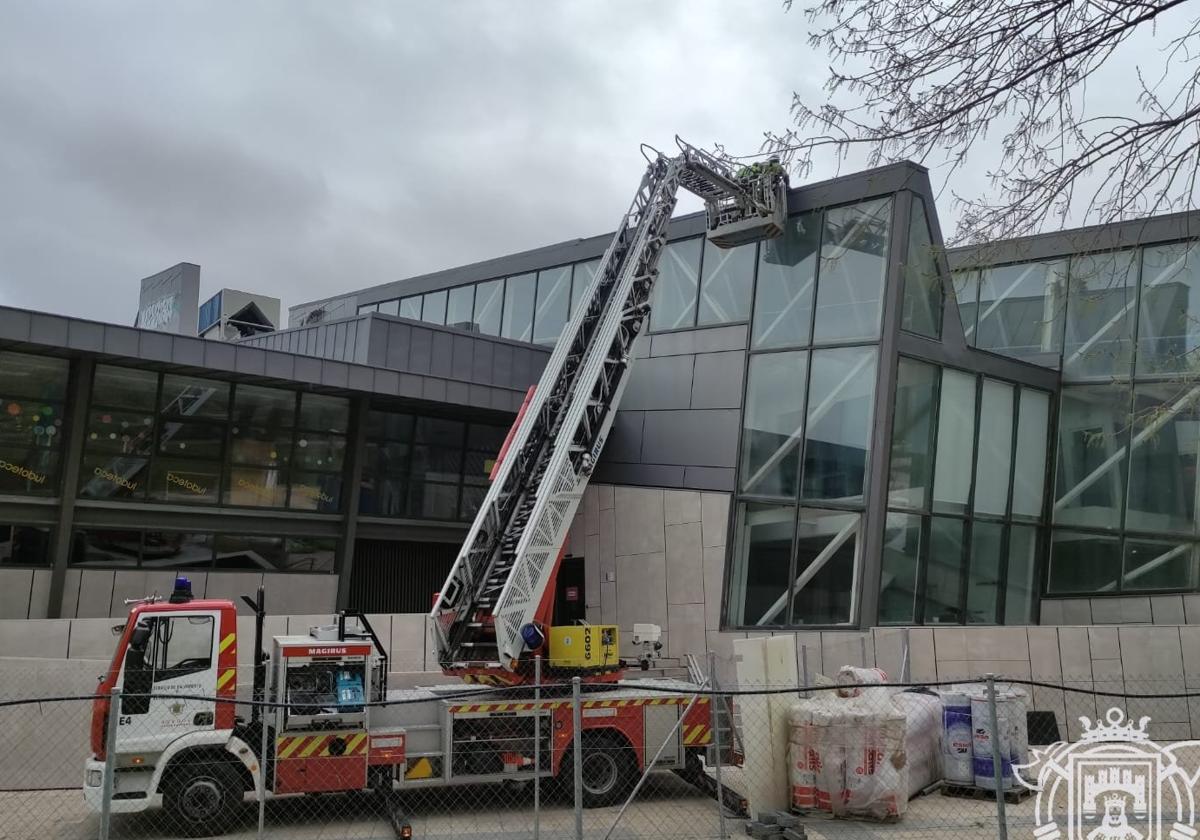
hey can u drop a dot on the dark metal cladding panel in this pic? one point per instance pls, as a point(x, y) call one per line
point(219, 355)
point(659, 384)
point(14, 324)
point(462, 357)
point(441, 362)
point(709, 478)
point(691, 438)
point(624, 442)
point(502, 367)
point(386, 381)
point(644, 475)
point(458, 392)
point(49, 329)
point(712, 340)
point(81, 335)
point(308, 369)
point(361, 378)
point(155, 345)
point(481, 362)
point(434, 389)
point(280, 365)
point(421, 351)
point(188, 351)
point(334, 374)
point(398, 344)
point(410, 385)
point(717, 381)
point(251, 360)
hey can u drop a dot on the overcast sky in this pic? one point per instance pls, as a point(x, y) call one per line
point(305, 149)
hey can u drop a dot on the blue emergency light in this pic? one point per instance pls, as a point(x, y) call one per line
point(183, 591)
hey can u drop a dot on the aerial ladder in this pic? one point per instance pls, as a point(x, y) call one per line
point(496, 604)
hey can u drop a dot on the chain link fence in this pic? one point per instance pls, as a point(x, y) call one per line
point(1090, 758)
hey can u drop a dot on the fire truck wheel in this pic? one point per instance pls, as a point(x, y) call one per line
point(609, 770)
point(201, 797)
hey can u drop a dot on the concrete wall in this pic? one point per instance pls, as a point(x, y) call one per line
point(96, 593)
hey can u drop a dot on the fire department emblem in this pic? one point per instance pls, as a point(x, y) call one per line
point(1114, 783)
point(176, 708)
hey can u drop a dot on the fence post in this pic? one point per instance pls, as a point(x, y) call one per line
point(577, 764)
point(263, 758)
point(804, 669)
point(997, 760)
point(537, 747)
point(110, 762)
point(716, 734)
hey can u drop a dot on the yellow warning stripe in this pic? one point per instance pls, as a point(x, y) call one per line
point(309, 746)
point(696, 735)
point(681, 700)
point(227, 641)
point(226, 677)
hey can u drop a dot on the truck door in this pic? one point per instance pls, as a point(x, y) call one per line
point(174, 655)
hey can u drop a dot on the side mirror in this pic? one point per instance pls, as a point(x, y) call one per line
point(139, 638)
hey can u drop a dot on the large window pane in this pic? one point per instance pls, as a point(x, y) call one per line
point(460, 307)
point(1020, 590)
point(34, 377)
point(761, 562)
point(853, 265)
point(252, 553)
point(1022, 309)
point(316, 491)
point(1100, 310)
point(322, 413)
point(581, 283)
point(323, 453)
point(518, 307)
point(773, 424)
point(429, 500)
point(910, 473)
point(1162, 466)
point(265, 447)
point(410, 307)
point(553, 303)
point(1093, 433)
point(787, 273)
point(121, 387)
point(826, 545)
point(433, 307)
point(1154, 564)
point(673, 301)
point(310, 554)
point(176, 550)
point(113, 476)
point(191, 396)
point(725, 287)
point(841, 397)
point(944, 572)
point(185, 480)
point(966, 292)
point(955, 441)
point(898, 579)
point(31, 423)
point(1083, 563)
point(1029, 471)
point(389, 307)
point(993, 460)
point(24, 546)
point(264, 408)
point(191, 440)
point(489, 301)
point(921, 311)
point(983, 583)
point(1169, 319)
point(104, 547)
point(256, 487)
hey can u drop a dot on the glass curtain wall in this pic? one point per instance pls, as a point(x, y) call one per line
point(1129, 425)
point(807, 417)
point(965, 489)
point(188, 440)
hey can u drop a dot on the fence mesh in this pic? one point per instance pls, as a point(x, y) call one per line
point(1089, 758)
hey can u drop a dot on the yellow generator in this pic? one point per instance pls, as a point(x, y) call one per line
point(586, 647)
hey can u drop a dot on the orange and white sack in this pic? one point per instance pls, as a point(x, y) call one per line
point(851, 679)
point(876, 764)
point(802, 757)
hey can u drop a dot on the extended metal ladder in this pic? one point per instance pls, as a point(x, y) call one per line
point(506, 562)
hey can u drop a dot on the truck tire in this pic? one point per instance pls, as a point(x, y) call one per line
point(609, 770)
point(202, 797)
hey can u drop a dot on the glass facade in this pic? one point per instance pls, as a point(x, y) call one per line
point(426, 467)
point(968, 465)
point(808, 414)
point(170, 550)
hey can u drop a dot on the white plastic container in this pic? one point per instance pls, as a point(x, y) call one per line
point(956, 738)
point(1010, 739)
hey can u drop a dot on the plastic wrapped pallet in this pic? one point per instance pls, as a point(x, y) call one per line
point(802, 758)
point(850, 680)
point(922, 742)
point(876, 762)
point(1009, 738)
point(957, 737)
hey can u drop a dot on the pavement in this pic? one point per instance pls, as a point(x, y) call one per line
point(666, 808)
